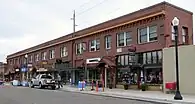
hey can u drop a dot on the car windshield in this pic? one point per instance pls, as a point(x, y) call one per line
point(46, 76)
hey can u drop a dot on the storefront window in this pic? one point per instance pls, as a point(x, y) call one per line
point(122, 60)
point(144, 58)
point(154, 57)
point(159, 56)
point(132, 79)
point(126, 59)
point(153, 76)
point(149, 58)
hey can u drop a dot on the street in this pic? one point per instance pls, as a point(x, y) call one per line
point(21, 95)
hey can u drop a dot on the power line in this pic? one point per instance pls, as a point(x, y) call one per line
point(83, 4)
point(107, 14)
point(92, 7)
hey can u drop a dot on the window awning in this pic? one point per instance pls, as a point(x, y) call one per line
point(110, 61)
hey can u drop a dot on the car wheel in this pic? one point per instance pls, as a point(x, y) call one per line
point(31, 85)
point(53, 87)
point(40, 85)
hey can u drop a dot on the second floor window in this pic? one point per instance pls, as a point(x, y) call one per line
point(184, 34)
point(30, 58)
point(36, 57)
point(63, 52)
point(147, 34)
point(124, 38)
point(80, 47)
point(51, 54)
point(108, 42)
point(94, 45)
point(43, 55)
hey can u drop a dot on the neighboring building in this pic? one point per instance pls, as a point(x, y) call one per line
point(3, 71)
point(186, 68)
point(146, 32)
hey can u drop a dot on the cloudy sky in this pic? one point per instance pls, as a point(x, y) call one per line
point(25, 23)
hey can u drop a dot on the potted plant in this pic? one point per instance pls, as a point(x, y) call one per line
point(126, 86)
point(144, 87)
point(110, 86)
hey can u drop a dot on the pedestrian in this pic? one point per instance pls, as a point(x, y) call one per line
point(59, 81)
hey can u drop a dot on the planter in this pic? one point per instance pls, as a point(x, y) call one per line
point(144, 87)
point(110, 86)
point(126, 87)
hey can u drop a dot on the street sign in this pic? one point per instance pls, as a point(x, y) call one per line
point(23, 69)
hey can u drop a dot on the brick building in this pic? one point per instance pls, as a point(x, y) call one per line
point(3, 71)
point(131, 44)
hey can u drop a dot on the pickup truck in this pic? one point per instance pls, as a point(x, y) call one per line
point(43, 80)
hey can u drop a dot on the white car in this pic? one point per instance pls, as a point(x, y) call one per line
point(43, 80)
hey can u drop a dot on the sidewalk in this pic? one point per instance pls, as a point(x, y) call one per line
point(149, 96)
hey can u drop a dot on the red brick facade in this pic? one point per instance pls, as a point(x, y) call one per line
point(160, 15)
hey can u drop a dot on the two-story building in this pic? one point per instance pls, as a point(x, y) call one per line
point(3, 71)
point(130, 44)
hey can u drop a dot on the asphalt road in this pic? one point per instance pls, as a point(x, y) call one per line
point(20, 95)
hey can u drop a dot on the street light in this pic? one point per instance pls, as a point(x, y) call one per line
point(175, 23)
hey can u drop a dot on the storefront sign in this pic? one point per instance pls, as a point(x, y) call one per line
point(42, 70)
point(29, 65)
point(92, 60)
point(17, 70)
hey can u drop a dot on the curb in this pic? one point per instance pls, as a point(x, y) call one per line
point(115, 96)
point(151, 100)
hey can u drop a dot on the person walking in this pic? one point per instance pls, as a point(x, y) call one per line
point(59, 81)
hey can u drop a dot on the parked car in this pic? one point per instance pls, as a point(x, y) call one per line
point(43, 80)
point(1, 82)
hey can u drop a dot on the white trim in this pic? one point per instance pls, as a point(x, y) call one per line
point(148, 34)
point(106, 41)
point(125, 43)
point(138, 36)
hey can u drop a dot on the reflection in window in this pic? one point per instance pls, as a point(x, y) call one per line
point(154, 57)
point(160, 56)
point(144, 58)
point(108, 42)
point(142, 35)
point(119, 60)
point(149, 58)
point(152, 33)
point(128, 38)
point(126, 59)
point(122, 60)
point(121, 39)
point(97, 44)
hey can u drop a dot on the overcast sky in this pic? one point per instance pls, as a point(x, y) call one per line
point(25, 23)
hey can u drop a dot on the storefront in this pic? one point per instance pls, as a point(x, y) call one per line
point(145, 67)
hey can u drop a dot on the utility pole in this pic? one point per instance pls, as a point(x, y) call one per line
point(73, 34)
point(73, 23)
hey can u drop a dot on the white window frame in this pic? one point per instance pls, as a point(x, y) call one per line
point(80, 48)
point(183, 35)
point(107, 42)
point(63, 52)
point(30, 58)
point(125, 39)
point(172, 33)
point(37, 57)
point(148, 34)
point(94, 46)
point(52, 54)
point(43, 55)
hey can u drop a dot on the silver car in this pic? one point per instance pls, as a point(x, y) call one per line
point(43, 80)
